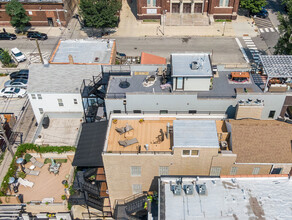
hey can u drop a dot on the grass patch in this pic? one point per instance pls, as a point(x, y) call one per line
point(21, 150)
point(2, 156)
point(222, 20)
point(151, 20)
point(4, 74)
point(10, 65)
point(48, 160)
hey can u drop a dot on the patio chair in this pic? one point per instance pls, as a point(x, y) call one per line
point(36, 163)
point(127, 143)
point(125, 129)
point(34, 172)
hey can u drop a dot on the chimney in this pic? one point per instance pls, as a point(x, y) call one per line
point(71, 61)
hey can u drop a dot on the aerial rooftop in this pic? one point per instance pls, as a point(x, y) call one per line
point(261, 141)
point(191, 65)
point(59, 78)
point(195, 133)
point(90, 51)
point(225, 198)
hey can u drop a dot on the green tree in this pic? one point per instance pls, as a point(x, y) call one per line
point(100, 13)
point(254, 6)
point(5, 58)
point(284, 44)
point(19, 19)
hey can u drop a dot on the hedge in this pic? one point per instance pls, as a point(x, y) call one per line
point(22, 149)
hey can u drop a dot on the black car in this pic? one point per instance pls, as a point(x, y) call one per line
point(36, 35)
point(21, 74)
point(7, 36)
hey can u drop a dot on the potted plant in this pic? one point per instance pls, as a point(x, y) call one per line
point(141, 120)
point(115, 121)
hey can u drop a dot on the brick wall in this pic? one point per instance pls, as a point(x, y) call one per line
point(40, 12)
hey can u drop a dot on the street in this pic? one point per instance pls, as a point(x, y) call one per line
point(225, 50)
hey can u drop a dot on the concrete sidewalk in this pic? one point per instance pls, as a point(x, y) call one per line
point(129, 26)
point(50, 31)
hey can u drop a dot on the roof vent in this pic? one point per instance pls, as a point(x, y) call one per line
point(176, 189)
point(194, 65)
point(124, 84)
point(189, 189)
point(202, 189)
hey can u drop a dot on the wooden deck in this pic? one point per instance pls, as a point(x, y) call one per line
point(145, 132)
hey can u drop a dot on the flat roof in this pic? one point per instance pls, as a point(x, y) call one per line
point(195, 133)
point(277, 65)
point(261, 141)
point(59, 78)
point(238, 198)
point(90, 145)
point(90, 51)
point(182, 62)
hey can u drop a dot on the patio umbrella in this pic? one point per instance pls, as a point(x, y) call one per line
point(20, 161)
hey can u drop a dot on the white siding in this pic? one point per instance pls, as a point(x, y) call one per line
point(49, 103)
point(196, 84)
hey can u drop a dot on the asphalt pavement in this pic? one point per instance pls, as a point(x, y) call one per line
point(225, 50)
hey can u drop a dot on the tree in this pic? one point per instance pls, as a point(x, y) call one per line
point(5, 58)
point(100, 13)
point(254, 6)
point(284, 44)
point(19, 19)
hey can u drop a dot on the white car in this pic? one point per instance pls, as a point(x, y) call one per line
point(18, 55)
point(12, 92)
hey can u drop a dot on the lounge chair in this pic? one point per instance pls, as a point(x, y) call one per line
point(127, 143)
point(31, 172)
point(25, 182)
point(125, 129)
point(36, 163)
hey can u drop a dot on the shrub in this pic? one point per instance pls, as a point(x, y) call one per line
point(27, 157)
point(69, 206)
point(64, 197)
point(21, 175)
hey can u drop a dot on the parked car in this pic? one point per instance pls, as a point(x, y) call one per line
point(36, 35)
point(7, 36)
point(262, 14)
point(21, 74)
point(21, 83)
point(12, 92)
point(18, 55)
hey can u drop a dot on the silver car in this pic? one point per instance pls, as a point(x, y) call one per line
point(21, 83)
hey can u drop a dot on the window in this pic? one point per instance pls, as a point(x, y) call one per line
point(215, 171)
point(151, 3)
point(117, 111)
point(256, 171)
point(60, 102)
point(75, 101)
point(180, 83)
point(33, 96)
point(137, 111)
point(192, 111)
point(39, 96)
point(233, 171)
point(41, 110)
point(272, 114)
point(135, 171)
point(190, 153)
point(163, 171)
point(276, 171)
point(163, 111)
point(137, 188)
point(224, 3)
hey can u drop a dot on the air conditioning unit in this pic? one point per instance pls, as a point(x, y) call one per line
point(202, 189)
point(189, 189)
point(176, 189)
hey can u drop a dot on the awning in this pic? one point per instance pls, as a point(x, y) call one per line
point(147, 58)
point(240, 74)
point(90, 145)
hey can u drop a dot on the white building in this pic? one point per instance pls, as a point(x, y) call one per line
point(56, 88)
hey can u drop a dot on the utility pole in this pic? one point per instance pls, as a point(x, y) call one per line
point(4, 137)
point(224, 24)
point(39, 49)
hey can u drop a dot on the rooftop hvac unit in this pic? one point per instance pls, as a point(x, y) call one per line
point(202, 189)
point(195, 65)
point(176, 189)
point(189, 189)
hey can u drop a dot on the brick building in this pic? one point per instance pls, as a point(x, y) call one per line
point(43, 13)
point(219, 9)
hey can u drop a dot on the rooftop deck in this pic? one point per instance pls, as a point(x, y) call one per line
point(145, 132)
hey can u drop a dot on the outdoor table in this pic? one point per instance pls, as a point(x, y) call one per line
point(32, 167)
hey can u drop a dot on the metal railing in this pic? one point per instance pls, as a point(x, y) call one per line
point(191, 112)
point(137, 152)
